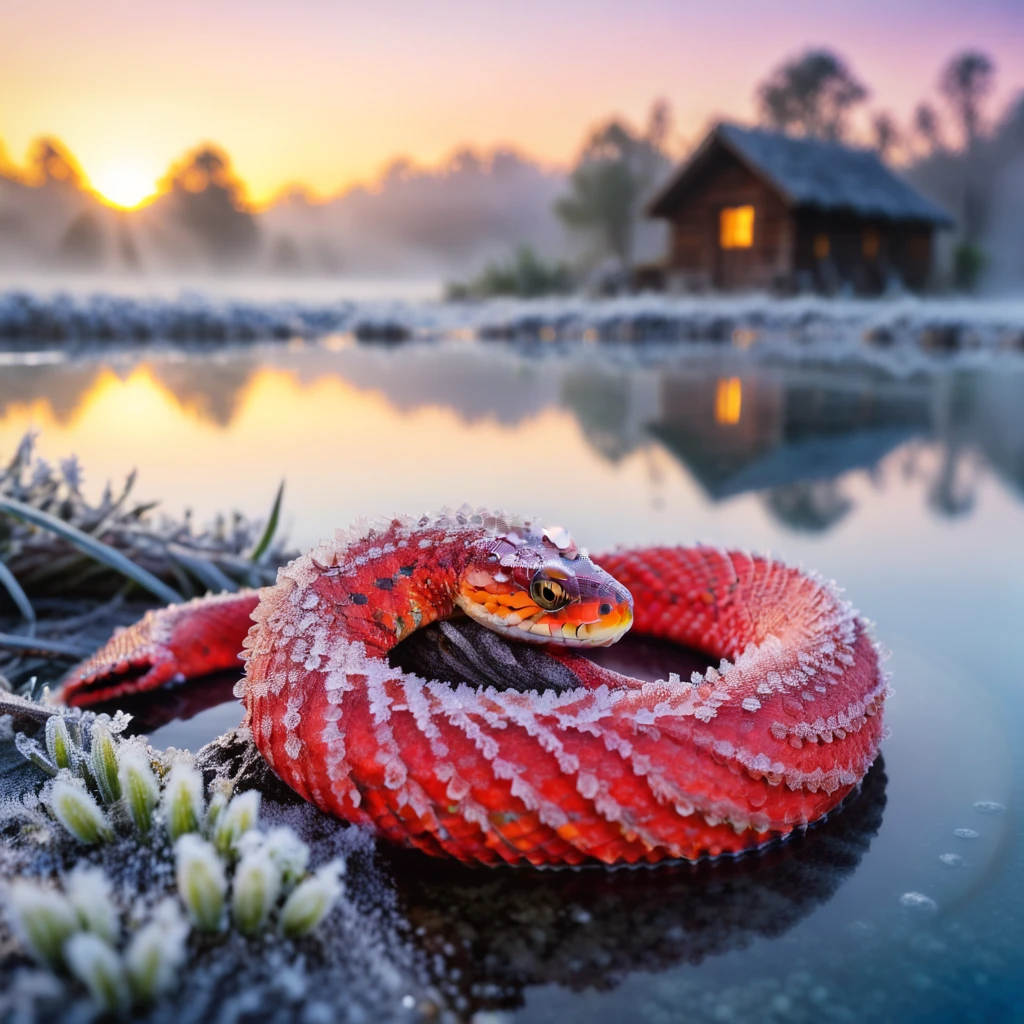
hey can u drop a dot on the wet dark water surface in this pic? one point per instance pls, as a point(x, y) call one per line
point(906, 905)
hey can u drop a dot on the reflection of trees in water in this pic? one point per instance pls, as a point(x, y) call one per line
point(808, 506)
point(488, 935)
point(212, 390)
point(790, 435)
point(63, 387)
point(601, 404)
point(952, 492)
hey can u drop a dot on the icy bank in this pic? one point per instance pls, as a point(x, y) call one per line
point(933, 326)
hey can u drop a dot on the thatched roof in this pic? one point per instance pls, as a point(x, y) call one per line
point(808, 173)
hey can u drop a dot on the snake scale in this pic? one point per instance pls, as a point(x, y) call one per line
point(611, 769)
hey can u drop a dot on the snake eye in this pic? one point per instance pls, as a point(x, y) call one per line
point(548, 593)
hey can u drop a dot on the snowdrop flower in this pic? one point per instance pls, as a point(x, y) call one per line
point(201, 881)
point(218, 803)
point(76, 809)
point(99, 969)
point(239, 817)
point(256, 886)
point(59, 745)
point(44, 919)
point(89, 891)
point(139, 787)
point(311, 900)
point(289, 853)
point(103, 763)
point(156, 952)
point(183, 800)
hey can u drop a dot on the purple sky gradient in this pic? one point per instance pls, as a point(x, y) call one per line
point(327, 93)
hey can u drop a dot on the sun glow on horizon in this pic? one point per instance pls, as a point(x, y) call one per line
point(123, 183)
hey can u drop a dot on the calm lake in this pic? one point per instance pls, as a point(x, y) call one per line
point(910, 492)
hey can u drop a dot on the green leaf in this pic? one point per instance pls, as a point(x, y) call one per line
point(95, 549)
point(271, 528)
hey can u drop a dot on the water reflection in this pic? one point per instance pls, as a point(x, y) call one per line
point(489, 935)
point(790, 436)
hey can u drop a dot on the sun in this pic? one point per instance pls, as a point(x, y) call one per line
point(123, 183)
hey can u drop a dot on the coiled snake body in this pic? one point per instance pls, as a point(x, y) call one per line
point(612, 770)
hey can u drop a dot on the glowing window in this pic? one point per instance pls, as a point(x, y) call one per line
point(821, 247)
point(728, 400)
point(869, 243)
point(736, 227)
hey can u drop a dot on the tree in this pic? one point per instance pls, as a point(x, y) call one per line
point(81, 246)
point(50, 162)
point(887, 135)
point(208, 200)
point(927, 125)
point(966, 81)
point(811, 95)
point(615, 171)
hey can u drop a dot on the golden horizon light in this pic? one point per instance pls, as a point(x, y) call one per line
point(123, 182)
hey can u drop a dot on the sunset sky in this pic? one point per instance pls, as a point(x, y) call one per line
point(326, 93)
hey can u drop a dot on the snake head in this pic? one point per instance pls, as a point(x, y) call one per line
point(533, 583)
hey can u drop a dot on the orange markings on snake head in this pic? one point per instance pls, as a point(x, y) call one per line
point(535, 584)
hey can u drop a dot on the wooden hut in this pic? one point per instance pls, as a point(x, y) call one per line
point(754, 209)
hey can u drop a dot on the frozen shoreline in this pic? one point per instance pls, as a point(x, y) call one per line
point(804, 329)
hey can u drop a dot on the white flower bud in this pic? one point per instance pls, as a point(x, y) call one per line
point(103, 762)
point(156, 952)
point(99, 969)
point(217, 805)
point(183, 800)
point(44, 919)
point(256, 886)
point(201, 881)
point(310, 901)
point(89, 891)
point(59, 745)
point(289, 853)
point(139, 787)
point(76, 809)
point(239, 817)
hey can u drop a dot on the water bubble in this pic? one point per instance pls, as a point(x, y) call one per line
point(952, 860)
point(918, 901)
point(965, 833)
point(988, 807)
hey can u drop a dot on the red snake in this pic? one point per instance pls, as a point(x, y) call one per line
point(614, 770)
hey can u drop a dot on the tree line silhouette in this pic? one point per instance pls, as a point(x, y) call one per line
point(475, 208)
